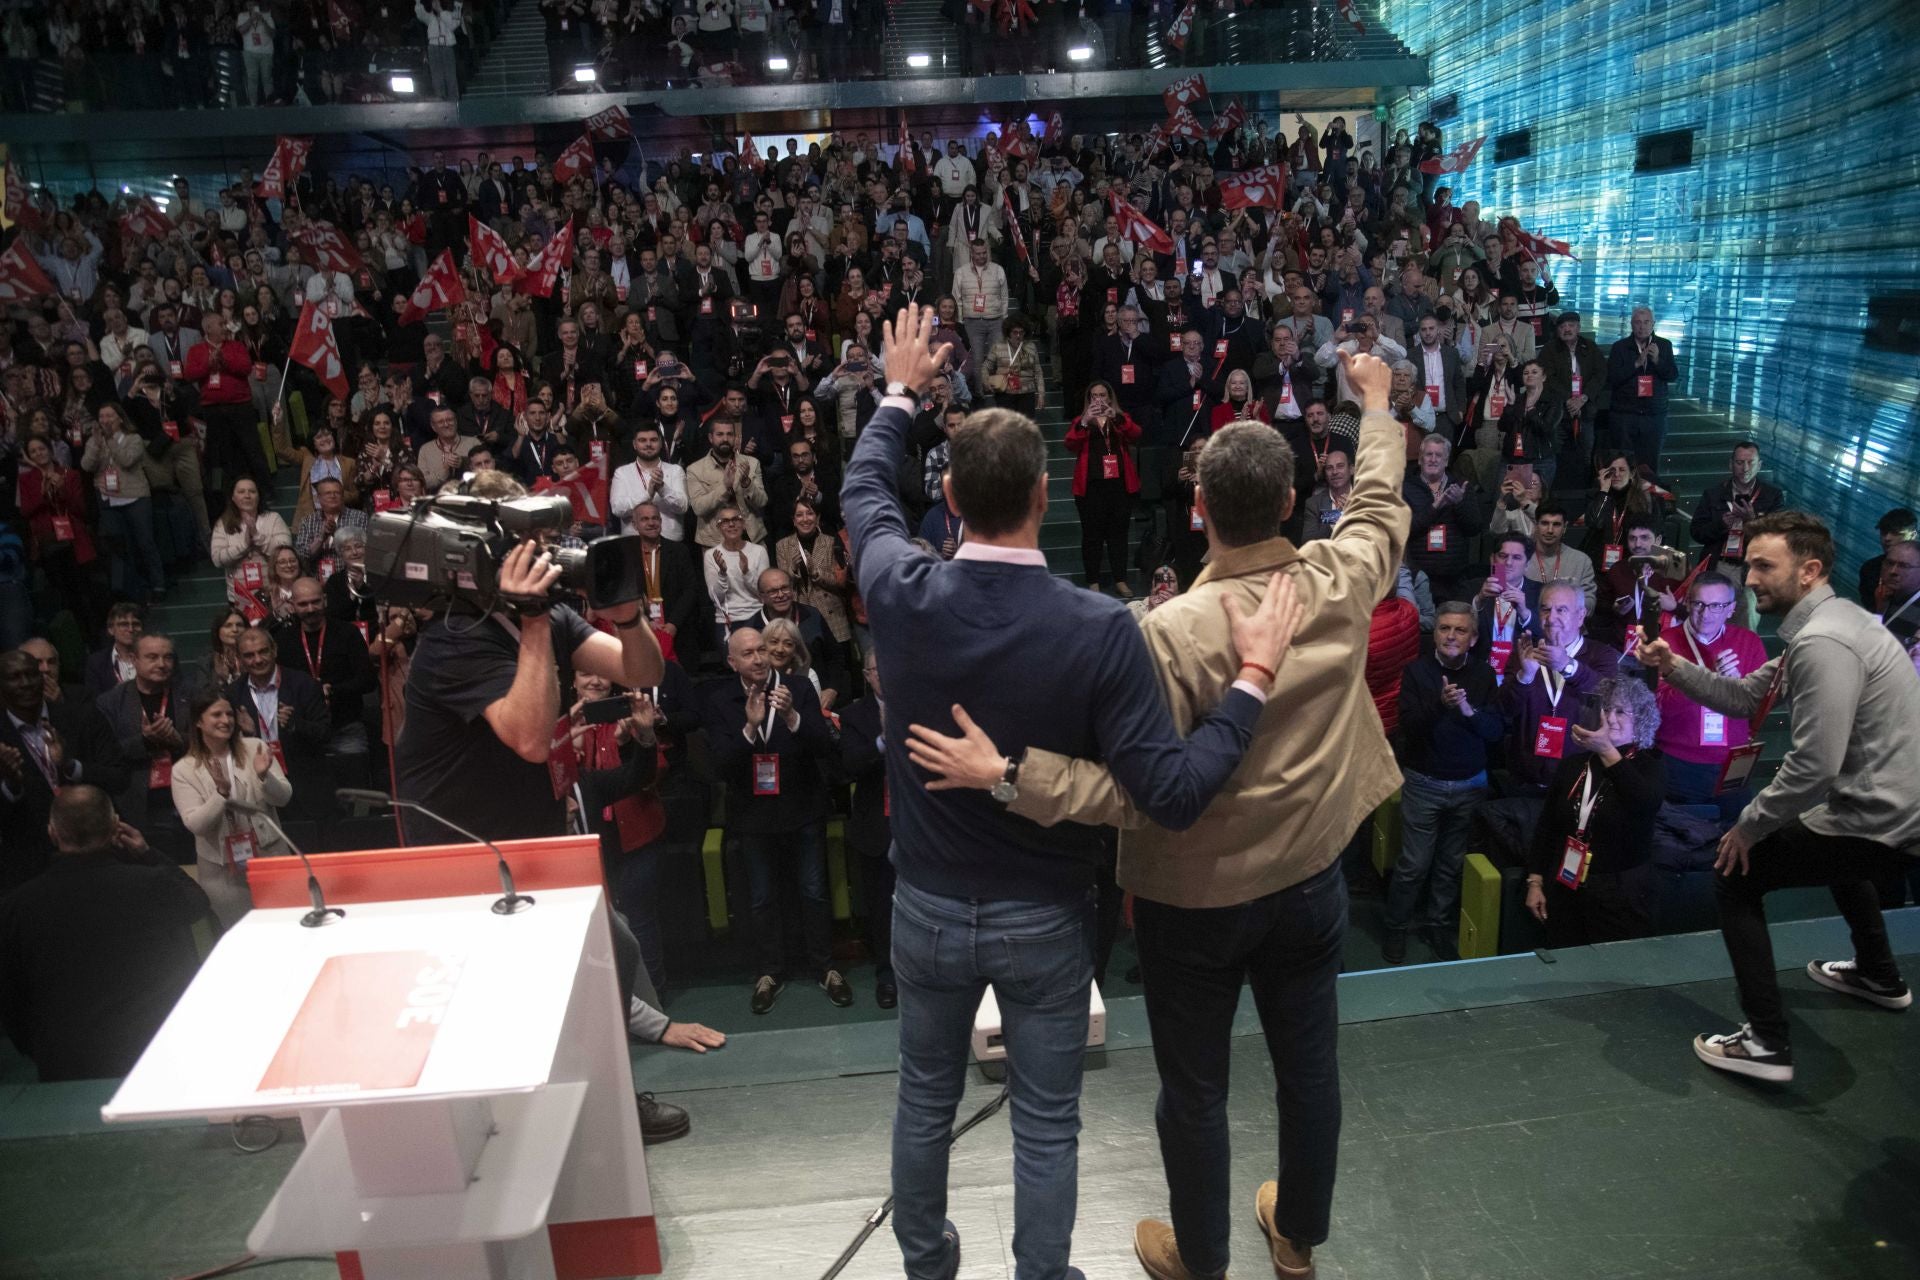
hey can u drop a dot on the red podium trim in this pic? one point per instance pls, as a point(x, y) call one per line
point(427, 871)
point(602, 1250)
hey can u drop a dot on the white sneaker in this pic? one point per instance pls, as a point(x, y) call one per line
point(1742, 1054)
point(1845, 977)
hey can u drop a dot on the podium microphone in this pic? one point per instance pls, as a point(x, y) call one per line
point(318, 916)
point(512, 901)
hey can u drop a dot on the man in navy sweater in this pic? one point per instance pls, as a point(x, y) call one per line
point(984, 896)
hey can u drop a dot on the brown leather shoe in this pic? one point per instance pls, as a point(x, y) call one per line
point(1290, 1261)
point(1154, 1245)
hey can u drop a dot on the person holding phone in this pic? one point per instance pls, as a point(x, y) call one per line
point(1588, 875)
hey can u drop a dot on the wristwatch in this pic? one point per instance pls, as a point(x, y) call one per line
point(899, 388)
point(1007, 790)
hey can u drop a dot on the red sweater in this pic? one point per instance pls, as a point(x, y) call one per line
point(225, 381)
point(1082, 440)
point(1393, 641)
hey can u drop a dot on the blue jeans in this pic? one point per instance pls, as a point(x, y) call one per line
point(1039, 958)
point(135, 565)
point(635, 884)
point(767, 859)
point(1435, 818)
point(1287, 946)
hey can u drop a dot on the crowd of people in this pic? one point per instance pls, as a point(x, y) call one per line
point(123, 54)
point(696, 369)
point(650, 44)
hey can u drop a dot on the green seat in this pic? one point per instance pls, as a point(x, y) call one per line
point(1386, 834)
point(839, 892)
point(266, 448)
point(714, 865)
point(297, 416)
point(1480, 893)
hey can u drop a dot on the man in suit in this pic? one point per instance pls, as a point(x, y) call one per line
point(1436, 364)
point(43, 746)
point(337, 657)
point(976, 884)
point(1640, 368)
point(1126, 363)
point(1507, 605)
point(1723, 512)
point(171, 342)
point(675, 589)
point(114, 664)
point(777, 601)
point(287, 709)
point(767, 736)
point(147, 716)
point(863, 762)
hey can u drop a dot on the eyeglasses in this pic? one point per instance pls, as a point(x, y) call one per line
point(732, 520)
point(1715, 605)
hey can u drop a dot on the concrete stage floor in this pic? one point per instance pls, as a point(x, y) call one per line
point(1516, 1117)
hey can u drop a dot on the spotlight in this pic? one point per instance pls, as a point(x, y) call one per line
point(778, 63)
point(162, 201)
point(125, 190)
point(401, 83)
point(1080, 52)
point(918, 61)
point(585, 75)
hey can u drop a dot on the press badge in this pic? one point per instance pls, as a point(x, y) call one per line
point(1550, 739)
point(1713, 729)
point(1738, 768)
point(1611, 555)
point(1109, 467)
point(766, 775)
point(241, 847)
point(1437, 538)
point(1574, 863)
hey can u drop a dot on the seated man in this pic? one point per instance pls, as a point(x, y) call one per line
point(99, 947)
point(1695, 740)
point(777, 600)
point(1553, 558)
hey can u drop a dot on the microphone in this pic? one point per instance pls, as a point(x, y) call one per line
point(512, 901)
point(318, 916)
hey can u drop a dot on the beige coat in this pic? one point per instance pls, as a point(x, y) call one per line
point(1319, 762)
point(707, 493)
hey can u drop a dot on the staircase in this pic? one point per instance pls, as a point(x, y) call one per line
point(516, 66)
point(917, 27)
point(198, 597)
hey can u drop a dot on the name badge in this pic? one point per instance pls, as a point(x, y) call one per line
point(63, 528)
point(1195, 523)
point(1013, 382)
point(639, 370)
point(173, 368)
point(1645, 385)
point(1550, 738)
point(1574, 862)
point(766, 775)
point(979, 304)
point(1179, 266)
point(597, 451)
point(241, 848)
point(1576, 384)
point(786, 423)
point(1346, 315)
point(1220, 348)
point(1126, 375)
point(1499, 653)
point(172, 429)
point(1196, 401)
point(1736, 543)
point(1437, 538)
point(1173, 343)
point(1519, 444)
point(1109, 467)
point(326, 567)
point(1713, 729)
point(1433, 394)
point(1286, 391)
point(1113, 296)
point(110, 481)
point(1738, 768)
point(213, 379)
point(653, 314)
point(159, 774)
point(1611, 555)
point(706, 306)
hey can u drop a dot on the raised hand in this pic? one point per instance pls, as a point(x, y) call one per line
point(262, 760)
point(1657, 655)
point(911, 356)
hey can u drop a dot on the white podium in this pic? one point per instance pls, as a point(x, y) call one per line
point(462, 1079)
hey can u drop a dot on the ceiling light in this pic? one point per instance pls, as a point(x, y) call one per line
point(401, 83)
point(918, 60)
point(1080, 52)
point(777, 63)
point(585, 75)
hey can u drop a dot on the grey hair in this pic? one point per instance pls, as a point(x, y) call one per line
point(1567, 585)
point(1405, 366)
point(1642, 307)
point(349, 538)
point(802, 656)
point(1457, 609)
point(1629, 694)
point(1434, 437)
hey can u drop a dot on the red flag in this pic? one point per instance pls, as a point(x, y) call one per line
point(611, 124)
point(907, 162)
point(1013, 222)
point(750, 152)
point(1456, 160)
point(1184, 93)
point(1184, 124)
point(142, 219)
point(1137, 227)
point(544, 271)
point(1266, 185)
point(1183, 27)
point(1352, 15)
point(20, 275)
point(20, 208)
point(576, 160)
point(489, 248)
point(1225, 122)
point(1542, 247)
point(1056, 129)
point(1016, 142)
point(315, 347)
point(331, 251)
point(289, 158)
point(438, 289)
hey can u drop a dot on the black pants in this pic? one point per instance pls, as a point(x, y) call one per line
point(1609, 907)
point(1791, 858)
point(233, 444)
point(876, 896)
point(1104, 515)
point(1287, 945)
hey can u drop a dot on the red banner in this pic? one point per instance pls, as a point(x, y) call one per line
point(439, 289)
point(142, 219)
point(1225, 122)
point(1542, 247)
point(289, 160)
point(544, 271)
point(21, 277)
point(490, 250)
point(1456, 160)
point(611, 124)
point(576, 160)
point(1184, 124)
point(20, 208)
point(315, 347)
point(1056, 129)
point(1184, 93)
point(1266, 186)
point(331, 250)
point(1139, 228)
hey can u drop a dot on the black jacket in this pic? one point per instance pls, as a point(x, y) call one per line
point(1620, 828)
point(340, 662)
point(863, 762)
point(92, 756)
point(1436, 740)
point(303, 739)
point(802, 796)
point(1710, 515)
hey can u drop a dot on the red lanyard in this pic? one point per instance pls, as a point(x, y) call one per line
point(1557, 558)
point(314, 660)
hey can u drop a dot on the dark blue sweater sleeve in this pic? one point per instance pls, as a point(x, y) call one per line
point(1169, 779)
point(876, 524)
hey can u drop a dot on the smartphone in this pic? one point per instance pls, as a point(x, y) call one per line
point(1589, 712)
point(608, 710)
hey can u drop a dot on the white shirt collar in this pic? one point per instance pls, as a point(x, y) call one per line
point(1001, 555)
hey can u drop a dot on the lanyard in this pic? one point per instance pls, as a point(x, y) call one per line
point(1888, 621)
point(314, 659)
point(269, 724)
point(1773, 695)
point(1503, 617)
point(1589, 796)
point(37, 748)
point(1697, 656)
point(1558, 556)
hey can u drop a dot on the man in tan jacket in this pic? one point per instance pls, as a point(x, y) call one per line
point(1254, 887)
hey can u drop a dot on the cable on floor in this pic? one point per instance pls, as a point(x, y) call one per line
point(253, 1262)
point(879, 1216)
point(242, 1127)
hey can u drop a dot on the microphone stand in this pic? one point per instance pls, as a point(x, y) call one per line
point(318, 916)
point(512, 901)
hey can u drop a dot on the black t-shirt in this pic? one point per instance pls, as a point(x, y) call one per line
point(448, 757)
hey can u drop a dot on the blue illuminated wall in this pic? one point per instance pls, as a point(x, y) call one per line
point(1803, 199)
